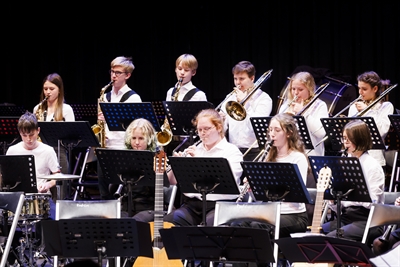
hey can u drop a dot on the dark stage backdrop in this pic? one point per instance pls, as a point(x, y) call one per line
point(341, 38)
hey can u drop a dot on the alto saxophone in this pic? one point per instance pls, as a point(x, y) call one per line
point(40, 113)
point(99, 128)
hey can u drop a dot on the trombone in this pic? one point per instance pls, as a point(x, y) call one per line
point(237, 110)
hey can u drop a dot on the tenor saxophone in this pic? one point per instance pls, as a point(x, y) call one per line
point(99, 128)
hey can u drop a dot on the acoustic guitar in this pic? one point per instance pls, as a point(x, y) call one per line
point(323, 182)
point(160, 257)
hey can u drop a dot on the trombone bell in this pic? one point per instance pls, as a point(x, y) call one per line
point(235, 110)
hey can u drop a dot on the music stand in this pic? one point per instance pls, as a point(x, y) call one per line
point(348, 182)
point(395, 123)
point(8, 131)
point(159, 110)
point(204, 175)
point(85, 112)
point(18, 173)
point(119, 115)
point(276, 181)
point(334, 128)
point(324, 249)
point(101, 238)
point(129, 167)
point(70, 134)
point(218, 244)
point(261, 124)
point(11, 110)
point(181, 113)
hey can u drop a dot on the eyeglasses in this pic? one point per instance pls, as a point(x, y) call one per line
point(345, 139)
point(205, 130)
point(117, 73)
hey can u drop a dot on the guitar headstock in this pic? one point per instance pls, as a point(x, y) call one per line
point(324, 178)
point(160, 161)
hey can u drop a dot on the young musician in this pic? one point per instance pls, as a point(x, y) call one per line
point(301, 90)
point(209, 125)
point(357, 140)
point(370, 85)
point(287, 147)
point(185, 68)
point(52, 107)
point(121, 70)
point(259, 104)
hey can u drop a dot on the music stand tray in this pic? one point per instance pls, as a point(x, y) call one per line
point(276, 181)
point(334, 128)
point(181, 113)
point(12, 111)
point(84, 238)
point(347, 175)
point(218, 244)
point(123, 164)
point(323, 249)
point(8, 127)
point(204, 175)
point(85, 112)
point(159, 110)
point(18, 173)
point(119, 115)
point(261, 124)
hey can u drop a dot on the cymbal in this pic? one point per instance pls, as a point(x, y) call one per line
point(60, 176)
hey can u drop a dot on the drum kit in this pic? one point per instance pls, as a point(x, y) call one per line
point(35, 208)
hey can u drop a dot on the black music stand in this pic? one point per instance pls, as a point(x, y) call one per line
point(159, 110)
point(276, 181)
point(8, 131)
point(85, 112)
point(18, 173)
point(11, 110)
point(129, 167)
point(70, 134)
point(181, 113)
point(334, 128)
point(101, 238)
point(324, 249)
point(261, 124)
point(119, 115)
point(218, 244)
point(394, 141)
point(348, 182)
point(205, 176)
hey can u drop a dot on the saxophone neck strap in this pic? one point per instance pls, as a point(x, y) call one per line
point(123, 98)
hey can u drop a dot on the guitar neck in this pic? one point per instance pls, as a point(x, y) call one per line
point(318, 207)
point(158, 204)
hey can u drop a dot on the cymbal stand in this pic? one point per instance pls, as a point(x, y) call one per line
point(27, 244)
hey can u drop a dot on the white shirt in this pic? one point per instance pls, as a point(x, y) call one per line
point(375, 180)
point(379, 112)
point(115, 139)
point(301, 160)
point(241, 133)
point(223, 149)
point(198, 96)
point(45, 159)
point(68, 113)
point(313, 116)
